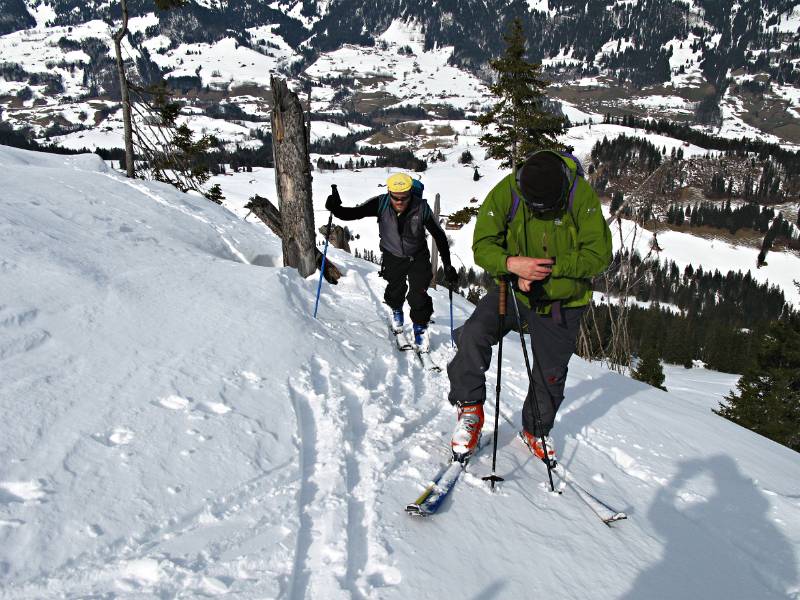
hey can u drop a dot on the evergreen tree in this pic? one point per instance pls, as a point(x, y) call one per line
point(215, 194)
point(522, 125)
point(649, 368)
point(768, 399)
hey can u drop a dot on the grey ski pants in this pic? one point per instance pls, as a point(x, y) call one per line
point(553, 344)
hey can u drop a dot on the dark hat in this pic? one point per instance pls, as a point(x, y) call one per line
point(543, 181)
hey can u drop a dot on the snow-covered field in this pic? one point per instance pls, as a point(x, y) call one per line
point(177, 425)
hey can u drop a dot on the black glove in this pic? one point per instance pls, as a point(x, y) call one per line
point(333, 202)
point(450, 275)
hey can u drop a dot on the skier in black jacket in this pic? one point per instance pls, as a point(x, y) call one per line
point(403, 216)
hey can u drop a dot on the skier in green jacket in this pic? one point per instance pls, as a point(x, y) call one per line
point(543, 228)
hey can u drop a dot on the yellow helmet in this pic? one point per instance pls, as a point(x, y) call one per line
point(399, 183)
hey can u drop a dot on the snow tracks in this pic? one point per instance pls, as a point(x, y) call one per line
point(349, 424)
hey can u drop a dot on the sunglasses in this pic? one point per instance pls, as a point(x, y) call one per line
point(405, 198)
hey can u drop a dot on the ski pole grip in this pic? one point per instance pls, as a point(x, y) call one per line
point(502, 304)
point(335, 191)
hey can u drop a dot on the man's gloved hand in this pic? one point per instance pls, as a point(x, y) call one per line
point(333, 202)
point(450, 275)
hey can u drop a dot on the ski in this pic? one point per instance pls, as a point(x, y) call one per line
point(404, 343)
point(426, 360)
point(442, 484)
point(436, 491)
point(603, 511)
point(400, 339)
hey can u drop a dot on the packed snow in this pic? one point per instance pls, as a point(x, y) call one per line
point(177, 424)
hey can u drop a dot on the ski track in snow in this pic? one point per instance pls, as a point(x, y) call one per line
point(349, 427)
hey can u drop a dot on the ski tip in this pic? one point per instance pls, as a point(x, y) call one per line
point(613, 519)
point(415, 510)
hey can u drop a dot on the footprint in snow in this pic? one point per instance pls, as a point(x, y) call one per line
point(23, 492)
point(11, 523)
point(119, 436)
point(214, 408)
point(251, 378)
point(174, 402)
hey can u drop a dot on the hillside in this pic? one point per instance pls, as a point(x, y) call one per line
point(178, 425)
point(722, 68)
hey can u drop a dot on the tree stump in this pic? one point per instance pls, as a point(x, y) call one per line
point(338, 238)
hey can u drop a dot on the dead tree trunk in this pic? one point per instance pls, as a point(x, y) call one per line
point(293, 179)
point(271, 216)
point(123, 87)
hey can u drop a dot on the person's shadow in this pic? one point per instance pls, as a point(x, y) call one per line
point(717, 539)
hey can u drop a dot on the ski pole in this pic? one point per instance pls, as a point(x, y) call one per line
point(536, 414)
point(501, 312)
point(452, 340)
point(335, 192)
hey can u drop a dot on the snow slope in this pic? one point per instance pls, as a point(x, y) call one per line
point(176, 424)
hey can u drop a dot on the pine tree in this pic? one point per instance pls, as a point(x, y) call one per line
point(649, 368)
point(215, 194)
point(520, 123)
point(768, 399)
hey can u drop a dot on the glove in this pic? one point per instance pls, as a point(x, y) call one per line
point(333, 202)
point(450, 275)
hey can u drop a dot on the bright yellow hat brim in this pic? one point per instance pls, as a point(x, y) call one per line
point(399, 183)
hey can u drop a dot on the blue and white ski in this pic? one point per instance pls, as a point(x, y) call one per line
point(437, 490)
point(442, 484)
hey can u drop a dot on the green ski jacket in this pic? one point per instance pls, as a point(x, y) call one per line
point(579, 239)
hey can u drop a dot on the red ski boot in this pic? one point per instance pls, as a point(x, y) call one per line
point(467, 432)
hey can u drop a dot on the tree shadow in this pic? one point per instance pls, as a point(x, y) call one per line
point(718, 540)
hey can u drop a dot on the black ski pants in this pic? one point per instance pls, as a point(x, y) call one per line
point(417, 271)
point(553, 343)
